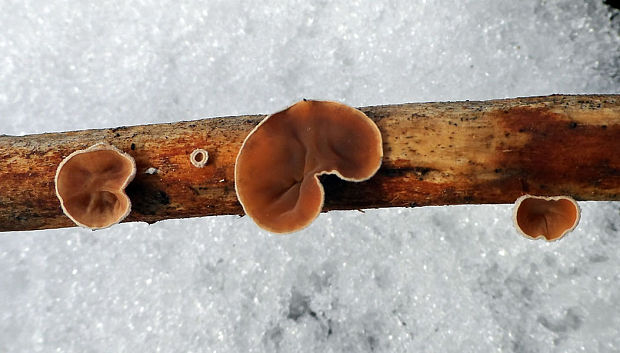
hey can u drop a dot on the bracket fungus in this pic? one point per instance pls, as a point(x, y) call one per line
point(90, 185)
point(277, 168)
point(545, 217)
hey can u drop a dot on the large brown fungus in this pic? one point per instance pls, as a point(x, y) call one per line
point(277, 168)
point(90, 185)
point(547, 217)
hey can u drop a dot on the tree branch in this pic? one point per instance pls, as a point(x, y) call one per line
point(434, 154)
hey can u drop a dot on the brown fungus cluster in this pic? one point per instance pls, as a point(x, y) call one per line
point(90, 185)
point(277, 168)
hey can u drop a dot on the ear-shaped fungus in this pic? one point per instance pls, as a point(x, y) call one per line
point(277, 168)
point(90, 185)
point(548, 217)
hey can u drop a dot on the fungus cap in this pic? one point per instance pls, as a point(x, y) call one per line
point(545, 217)
point(90, 185)
point(277, 168)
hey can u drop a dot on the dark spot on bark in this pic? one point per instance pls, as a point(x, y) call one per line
point(573, 125)
point(195, 190)
point(146, 198)
point(395, 172)
point(163, 198)
point(133, 146)
point(525, 187)
point(373, 115)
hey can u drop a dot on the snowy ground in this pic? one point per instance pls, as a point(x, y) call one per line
point(452, 279)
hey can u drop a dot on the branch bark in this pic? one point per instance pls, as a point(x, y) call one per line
point(434, 154)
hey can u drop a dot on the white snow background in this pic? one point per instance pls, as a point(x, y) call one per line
point(433, 279)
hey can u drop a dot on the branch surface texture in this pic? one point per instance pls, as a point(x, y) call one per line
point(443, 153)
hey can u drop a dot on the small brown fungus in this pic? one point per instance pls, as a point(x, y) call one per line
point(277, 168)
point(90, 185)
point(199, 157)
point(545, 217)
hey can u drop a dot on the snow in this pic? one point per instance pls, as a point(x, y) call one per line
point(452, 279)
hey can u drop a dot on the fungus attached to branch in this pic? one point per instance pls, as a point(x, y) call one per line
point(90, 185)
point(277, 168)
point(547, 217)
point(199, 157)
